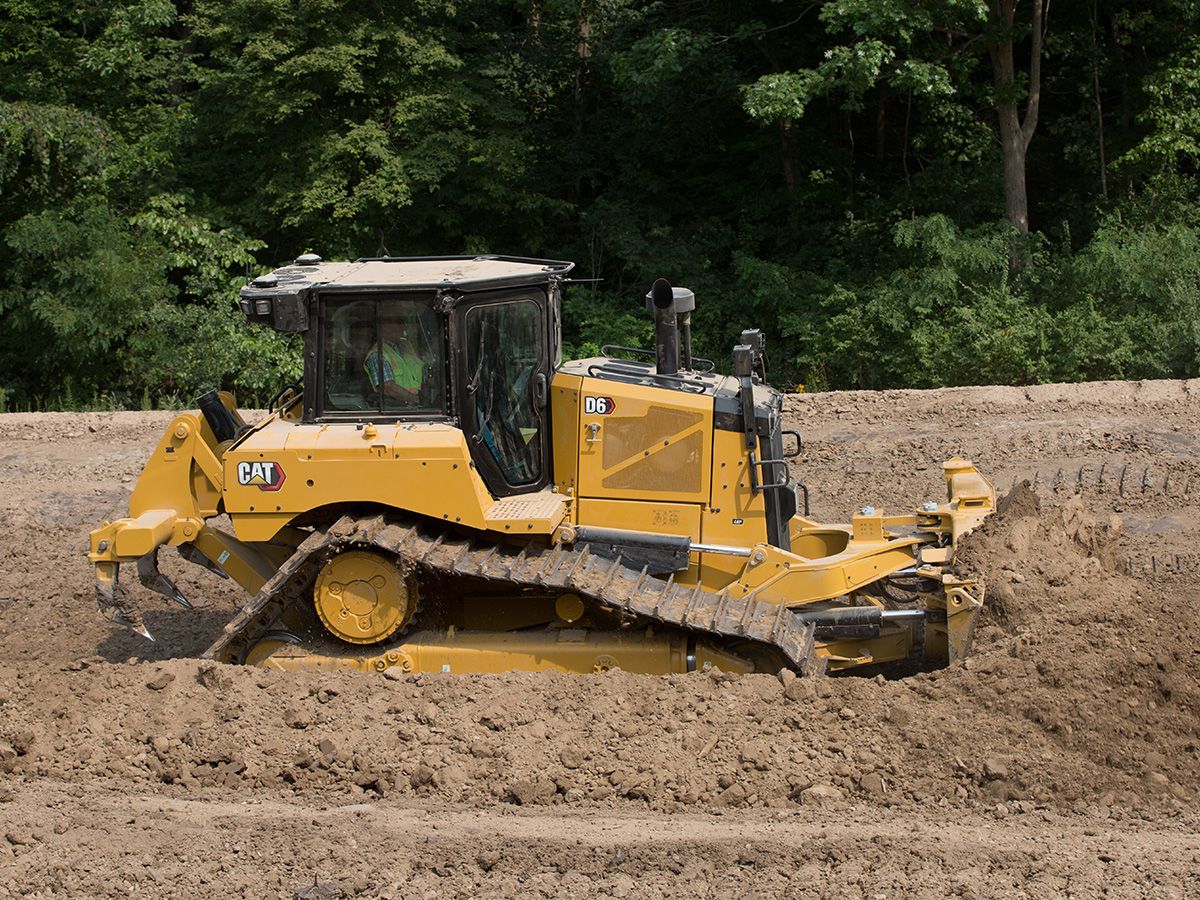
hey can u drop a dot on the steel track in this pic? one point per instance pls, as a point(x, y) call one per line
point(430, 549)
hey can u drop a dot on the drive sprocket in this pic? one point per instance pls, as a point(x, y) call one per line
point(363, 597)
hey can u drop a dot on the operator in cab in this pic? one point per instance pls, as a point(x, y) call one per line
point(394, 365)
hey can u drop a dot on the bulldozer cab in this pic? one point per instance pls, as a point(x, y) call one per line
point(469, 341)
point(381, 355)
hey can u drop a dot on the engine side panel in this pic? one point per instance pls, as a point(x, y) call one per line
point(644, 443)
point(564, 431)
point(285, 469)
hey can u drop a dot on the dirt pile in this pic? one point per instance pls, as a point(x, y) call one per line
point(1100, 661)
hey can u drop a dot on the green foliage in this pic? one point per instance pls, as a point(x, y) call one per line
point(1172, 113)
point(828, 172)
point(940, 309)
point(593, 318)
point(1129, 304)
point(185, 347)
point(77, 279)
point(49, 154)
point(949, 310)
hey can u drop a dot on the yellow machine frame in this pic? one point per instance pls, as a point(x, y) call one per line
point(426, 469)
point(629, 456)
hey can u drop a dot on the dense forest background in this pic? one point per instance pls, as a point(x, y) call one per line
point(900, 193)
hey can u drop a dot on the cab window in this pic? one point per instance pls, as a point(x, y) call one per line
point(504, 354)
point(383, 355)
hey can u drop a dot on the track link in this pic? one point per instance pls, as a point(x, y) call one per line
point(430, 549)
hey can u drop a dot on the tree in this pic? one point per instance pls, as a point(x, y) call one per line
point(928, 52)
point(154, 153)
point(1016, 131)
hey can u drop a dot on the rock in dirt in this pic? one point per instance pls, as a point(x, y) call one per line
point(994, 768)
point(756, 755)
point(529, 793)
point(872, 783)
point(160, 681)
point(319, 890)
point(423, 775)
point(732, 795)
point(210, 675)
point(798, 689)
point(297, 719)
point(571, 757)
point(821, 795)
point(23, 742)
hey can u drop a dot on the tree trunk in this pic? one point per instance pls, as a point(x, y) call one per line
point(881, 101)
point(789, 178)
point(583, 56)
point(1015, 132)
point(1094, 15)
point(1012, 151)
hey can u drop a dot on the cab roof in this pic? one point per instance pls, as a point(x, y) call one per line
point(410, 273)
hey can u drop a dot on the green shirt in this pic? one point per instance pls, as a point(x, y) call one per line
point(394, 367)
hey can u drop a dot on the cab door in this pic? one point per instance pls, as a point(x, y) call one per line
point(503, 349)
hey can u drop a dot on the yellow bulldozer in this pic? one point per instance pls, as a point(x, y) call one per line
point(442, 493)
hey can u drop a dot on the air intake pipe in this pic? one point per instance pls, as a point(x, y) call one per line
point(224, 424)
point(666, 330)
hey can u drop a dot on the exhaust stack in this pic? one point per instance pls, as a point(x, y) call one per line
point(666, 331)
point(222, 422)
point(681, 301)
point(685, 302)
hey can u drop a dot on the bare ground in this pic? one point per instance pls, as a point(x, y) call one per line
point(1062, 759)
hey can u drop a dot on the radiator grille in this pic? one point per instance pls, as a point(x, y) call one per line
point(630, 435)
point(674, 468)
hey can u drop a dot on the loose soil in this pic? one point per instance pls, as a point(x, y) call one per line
point(1062, 758)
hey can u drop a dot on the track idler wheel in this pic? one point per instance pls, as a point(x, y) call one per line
point(363, 598)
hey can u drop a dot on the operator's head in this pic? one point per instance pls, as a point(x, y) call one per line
point(362, 332)
point(399, 323)
point(394, 329)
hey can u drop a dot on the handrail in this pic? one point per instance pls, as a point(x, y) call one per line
point(608, 350)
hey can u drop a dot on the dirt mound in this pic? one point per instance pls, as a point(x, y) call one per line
point(1023, 548)
point(1103, 661)
point(711, 740)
